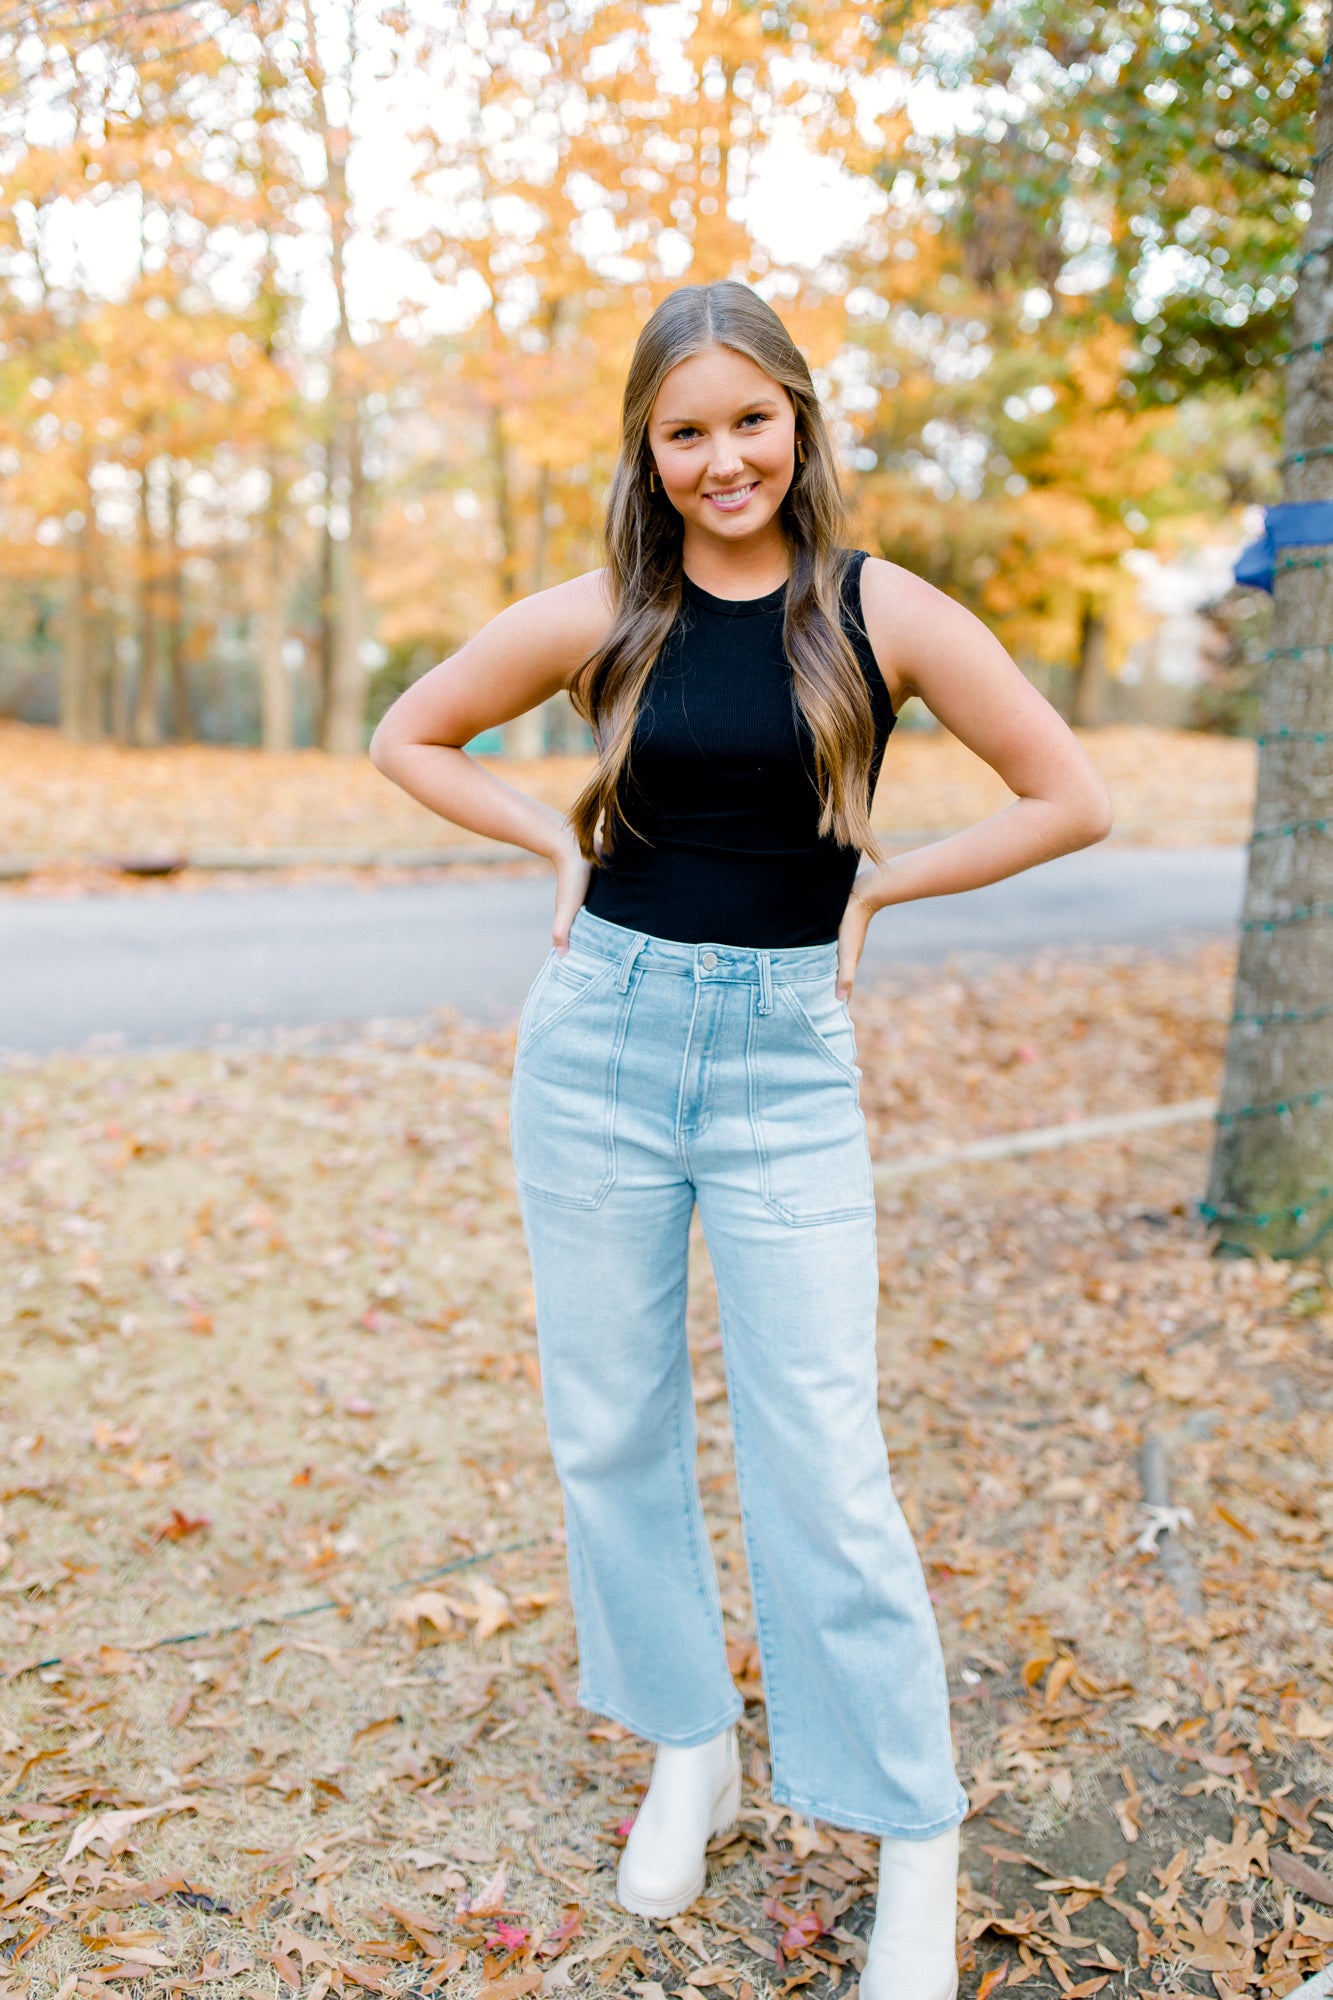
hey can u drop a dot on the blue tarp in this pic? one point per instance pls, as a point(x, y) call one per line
point(1299, 524)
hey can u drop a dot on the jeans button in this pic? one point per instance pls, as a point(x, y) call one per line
point(708, 961)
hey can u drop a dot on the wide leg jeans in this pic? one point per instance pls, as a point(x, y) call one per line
point(651, 1075)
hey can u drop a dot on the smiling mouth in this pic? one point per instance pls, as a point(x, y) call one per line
point(732, 497)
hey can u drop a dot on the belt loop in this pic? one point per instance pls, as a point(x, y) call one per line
point(627, 962)
point(765, 985)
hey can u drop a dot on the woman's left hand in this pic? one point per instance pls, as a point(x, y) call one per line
point(851, 941)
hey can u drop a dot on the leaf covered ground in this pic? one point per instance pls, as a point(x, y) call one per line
point(69, 803)
point(270, 1379)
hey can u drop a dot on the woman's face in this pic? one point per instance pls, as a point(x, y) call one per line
point(723, 435)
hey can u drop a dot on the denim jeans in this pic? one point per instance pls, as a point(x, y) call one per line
point(649, 1076)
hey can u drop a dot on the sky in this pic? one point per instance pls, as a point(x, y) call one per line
point(800, 208)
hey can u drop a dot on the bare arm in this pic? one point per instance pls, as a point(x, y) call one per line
point(524, 655)
point(928, 645)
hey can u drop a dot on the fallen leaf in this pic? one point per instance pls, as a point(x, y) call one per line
point(425, 1608)
point(15, 1887)
point(807, 1840)
point(1058, 1678)
point(111, 1827)
point(374, 1729)
point(493, 1610)
point(418, 1928)
point(490, 1899)
point(563, 1935)
point(151, 1472)
point(180, 1525)
point(1232, 1860)
point(1301, 1877)
point(119, 1660)
point(25, 1945)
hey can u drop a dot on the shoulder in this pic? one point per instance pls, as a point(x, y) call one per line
point(907, 621)
point(554, 630)
point(889, 592)
point(580, 608)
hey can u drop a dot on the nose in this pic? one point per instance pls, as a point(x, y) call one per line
point(725, 464)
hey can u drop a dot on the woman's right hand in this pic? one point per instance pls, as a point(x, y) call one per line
point(572, 876)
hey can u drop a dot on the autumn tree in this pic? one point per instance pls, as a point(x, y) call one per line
point(125, 393)
point(1154, 161)
point(1149, 162)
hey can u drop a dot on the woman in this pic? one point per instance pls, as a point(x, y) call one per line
point(688, 1041)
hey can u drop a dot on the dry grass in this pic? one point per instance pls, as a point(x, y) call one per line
point(270, 1346)
point(64, 802)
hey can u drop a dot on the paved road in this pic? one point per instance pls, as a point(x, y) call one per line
point(180, 967)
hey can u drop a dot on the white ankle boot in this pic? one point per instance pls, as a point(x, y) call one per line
point(912, 1954)
point(693, 1794)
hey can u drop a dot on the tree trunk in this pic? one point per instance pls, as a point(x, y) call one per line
point(344, 720)
point(80, 708)
point(325, 610)
point(345, 699)
point(1271, 1188)
point(1089, 704)
point(275, 684)
point(526, 735)
point(541, 528)
point(145, 688)
point(182, 712)
point(504, 507)
point(103, 669)
point(117, 677)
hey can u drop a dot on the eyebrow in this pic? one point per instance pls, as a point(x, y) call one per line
point(745, 410)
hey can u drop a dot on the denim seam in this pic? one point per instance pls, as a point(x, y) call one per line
point(689, 1486)
point(573, 1000)
point(847, 1071)
point(887, 1829)
point(857, 1213)
point(595, 1200)
point(682, 1149)
point(715, 1033)
point(627, 962)
point(772, 1683)
point(542, 975)
point(589, 1701)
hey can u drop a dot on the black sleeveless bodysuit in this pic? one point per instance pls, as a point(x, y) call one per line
point(721, 799)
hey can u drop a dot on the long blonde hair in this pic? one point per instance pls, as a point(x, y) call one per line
point(644, 536)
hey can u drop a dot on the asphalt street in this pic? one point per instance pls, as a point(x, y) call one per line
point(140, 971)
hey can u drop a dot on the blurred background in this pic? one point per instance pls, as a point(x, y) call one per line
point(314, 316)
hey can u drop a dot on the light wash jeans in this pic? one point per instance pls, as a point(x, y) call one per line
point(651, 1075)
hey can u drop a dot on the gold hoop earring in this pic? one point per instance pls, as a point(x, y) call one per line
point(654, 483)
point(800, 452)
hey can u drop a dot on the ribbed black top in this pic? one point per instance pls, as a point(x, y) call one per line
point(725, 847)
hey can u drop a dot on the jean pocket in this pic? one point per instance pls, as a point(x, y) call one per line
point(560, 984)
point(828, 1022)
point(563, 1094)
point(809, 1132)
